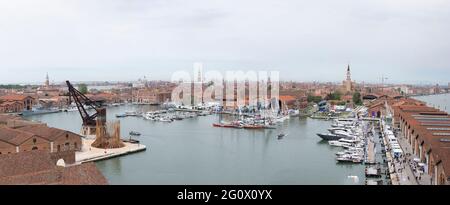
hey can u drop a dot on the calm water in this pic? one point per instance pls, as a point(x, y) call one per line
point(441, 102)
point(191, 151)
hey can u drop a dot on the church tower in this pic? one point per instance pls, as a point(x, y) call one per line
point(348, 84)
point(47, 81)
point(348, 73)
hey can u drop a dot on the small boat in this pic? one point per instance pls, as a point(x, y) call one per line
point(133, 141)
point(349, 158)
point(280, 136)
point(131, 113)
point(134, 133)
point(352, 153)
point(120, 115)
point(165, 119)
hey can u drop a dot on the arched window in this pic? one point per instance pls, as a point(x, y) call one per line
point(67, 136)
point(34, 140)
point(59, 148)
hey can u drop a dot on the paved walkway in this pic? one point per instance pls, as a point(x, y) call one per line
point(89, 153)
point(424, 179)
point(399, 174)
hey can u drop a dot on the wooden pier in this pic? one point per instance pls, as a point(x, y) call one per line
point(370, 158)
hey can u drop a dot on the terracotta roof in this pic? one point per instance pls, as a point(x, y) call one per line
point(24, 162)
point(37, 167)
point(9, 103)
point(13, 97)
point(44, 131)
point(13, 136)
point(85, 174)
point(287, 98)
point(4, 118)
point(45, 177)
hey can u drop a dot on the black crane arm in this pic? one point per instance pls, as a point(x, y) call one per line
point(81, 100)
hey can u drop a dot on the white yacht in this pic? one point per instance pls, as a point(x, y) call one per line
point(338, 143)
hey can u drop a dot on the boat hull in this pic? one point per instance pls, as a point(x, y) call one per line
point(329, 137)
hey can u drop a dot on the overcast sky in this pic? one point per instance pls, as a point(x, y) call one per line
point(406, 40)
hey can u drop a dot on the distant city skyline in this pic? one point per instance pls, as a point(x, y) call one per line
point(99, 40)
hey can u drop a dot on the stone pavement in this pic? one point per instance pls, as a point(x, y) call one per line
point(424, 179)
point(89, 153)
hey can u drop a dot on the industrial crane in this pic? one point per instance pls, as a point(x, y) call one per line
point(81, 100)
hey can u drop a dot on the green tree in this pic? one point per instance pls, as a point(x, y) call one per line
point(315, 99)
point(12, 86)
point(357, 98)
point(83, 88)
point(334, 96)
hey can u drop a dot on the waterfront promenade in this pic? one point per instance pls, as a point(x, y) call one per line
point(89, 154)
point(409, 157)
point(398, 173)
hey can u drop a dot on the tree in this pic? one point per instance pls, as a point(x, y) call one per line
point(83, 88)
point(12, 86)
point(357, 98)
point(334, 96)
point(315, 99)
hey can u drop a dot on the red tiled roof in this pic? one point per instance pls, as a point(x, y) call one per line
point(13, 97)
point(24, 162)
point(85, 174)
point(13, 136)
point(9, 103)
point(44, 131)
point(4, 118)
point(287, 98)
point(37, 167)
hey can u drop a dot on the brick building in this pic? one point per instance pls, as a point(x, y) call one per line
point(427, 130)
point(16, 103)
point(37, 137)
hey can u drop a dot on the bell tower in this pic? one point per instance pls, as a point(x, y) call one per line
point(47, 81)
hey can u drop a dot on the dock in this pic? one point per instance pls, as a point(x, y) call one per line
point(373, 172)
point(92, 154)
point(370, 159)
point(374, 182)
point(187, 110)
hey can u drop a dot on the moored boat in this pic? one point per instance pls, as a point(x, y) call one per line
point(329, 136)
point(134, 133)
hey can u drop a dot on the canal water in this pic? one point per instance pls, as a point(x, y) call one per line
point(192, 151)
point(441, 101)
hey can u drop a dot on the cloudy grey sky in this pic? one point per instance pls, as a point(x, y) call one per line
point(406, 40)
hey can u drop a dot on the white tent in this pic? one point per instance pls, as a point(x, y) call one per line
point(395, 146)
point(397, 152)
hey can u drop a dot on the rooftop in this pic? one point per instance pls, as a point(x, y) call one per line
point(37, 167)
